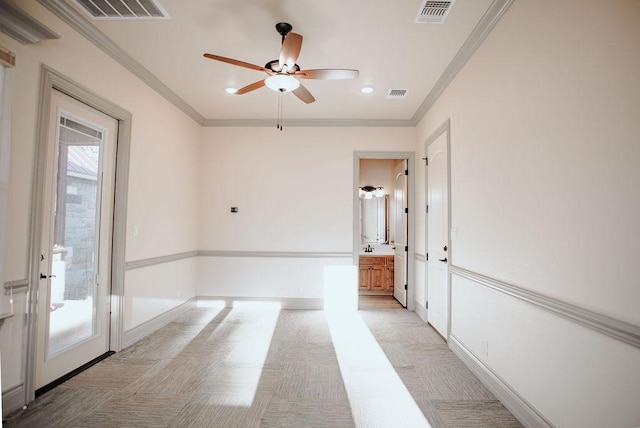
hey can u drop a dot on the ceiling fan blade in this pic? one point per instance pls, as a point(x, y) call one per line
point(235, 62)
point(327, 74)
point(290, 50)
point(302, 93)
point(252, 87)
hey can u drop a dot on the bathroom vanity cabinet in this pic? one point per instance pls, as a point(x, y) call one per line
point(376, 274)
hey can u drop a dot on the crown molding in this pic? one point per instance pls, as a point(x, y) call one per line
point(469, 47)
point(336, 123)
point(80, 24)
point(19, 25)
point(612, 327)
point(84, 27)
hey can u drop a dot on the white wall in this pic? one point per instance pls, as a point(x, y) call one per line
point(162, 179)
point(294, 190)
point(378, 173)
point(545, 179)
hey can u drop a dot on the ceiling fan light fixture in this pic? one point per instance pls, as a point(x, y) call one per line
point(282, 83)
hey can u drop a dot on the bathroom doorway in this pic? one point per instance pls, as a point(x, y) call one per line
point(383, 223)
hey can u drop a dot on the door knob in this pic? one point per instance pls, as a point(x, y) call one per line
point(443, 260)
point(42, 276)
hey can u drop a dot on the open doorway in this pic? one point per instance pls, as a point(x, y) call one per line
point(383, 225)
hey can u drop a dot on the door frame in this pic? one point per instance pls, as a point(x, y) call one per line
point(410, 157)
point(50, 80)
point(445, 127)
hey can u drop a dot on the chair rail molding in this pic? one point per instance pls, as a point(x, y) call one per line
point(609, 326)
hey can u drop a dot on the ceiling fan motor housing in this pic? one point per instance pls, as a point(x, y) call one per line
point(275, 67)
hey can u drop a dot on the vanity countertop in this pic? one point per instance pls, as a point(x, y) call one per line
point(378, 250)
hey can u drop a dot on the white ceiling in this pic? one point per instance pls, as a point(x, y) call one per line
point(379, 38)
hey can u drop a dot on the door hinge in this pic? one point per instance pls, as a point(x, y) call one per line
point(427, 209)
point(427, 256)
point(426, 161)
point(427, 305)
point(406, 210)
point(406, 172)
point(406, 248)
point(406, 286)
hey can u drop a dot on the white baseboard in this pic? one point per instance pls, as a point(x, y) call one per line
point(285, 302)
point(12, 400)
point(422, 312)
point(132, 336)
point(520, 408)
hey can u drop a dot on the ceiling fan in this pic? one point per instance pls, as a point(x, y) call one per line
point(284, 72)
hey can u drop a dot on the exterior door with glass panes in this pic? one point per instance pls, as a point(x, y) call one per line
point(74, 290)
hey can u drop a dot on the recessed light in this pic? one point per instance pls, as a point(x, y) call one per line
point(231, 90)
point(367, 90)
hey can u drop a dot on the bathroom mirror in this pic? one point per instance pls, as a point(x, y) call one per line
point(374, 220)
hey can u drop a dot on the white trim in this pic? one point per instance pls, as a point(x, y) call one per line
point(275, 254)
point(152, 261)
point(13, 399)
point(137, 264)
point(285, 302)
point(518, 406)
point(334, 123)
point(84, 27)
point(146, 328)
point(17, 286)
point(21, 26)
point(422, 312)
point(473, 42)
point(612, 327)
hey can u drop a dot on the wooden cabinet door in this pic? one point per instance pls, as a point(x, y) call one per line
point(364, 278)
point(377, 278)
point(389, 278)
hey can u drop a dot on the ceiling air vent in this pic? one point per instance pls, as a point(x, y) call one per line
point(397, 94)
point(434, 12)
point(123, 9)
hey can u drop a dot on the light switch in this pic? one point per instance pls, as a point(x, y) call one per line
point(135, 230)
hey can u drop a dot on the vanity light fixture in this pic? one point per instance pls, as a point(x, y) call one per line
point(368, 192)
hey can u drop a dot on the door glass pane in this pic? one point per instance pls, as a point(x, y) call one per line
point(75, 235)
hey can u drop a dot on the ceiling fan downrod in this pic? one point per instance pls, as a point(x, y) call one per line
point(283, 29)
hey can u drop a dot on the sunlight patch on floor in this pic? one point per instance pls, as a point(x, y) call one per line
point(249, 342)
point(377, 395)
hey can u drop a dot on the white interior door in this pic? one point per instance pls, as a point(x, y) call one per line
point(437, 235)
point(400, 260)
point(74, 290)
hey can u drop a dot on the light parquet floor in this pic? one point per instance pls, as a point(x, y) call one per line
point(258, 366)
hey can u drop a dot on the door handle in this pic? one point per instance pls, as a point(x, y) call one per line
point(443, 260)
point(42, 276)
